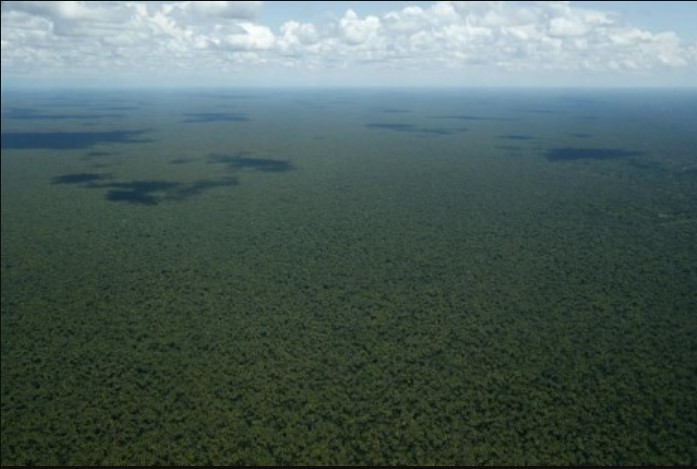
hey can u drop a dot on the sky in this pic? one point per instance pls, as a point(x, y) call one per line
point(348, 44)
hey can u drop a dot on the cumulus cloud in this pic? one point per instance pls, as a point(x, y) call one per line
point(238, 10)
point(245, 37)
point(207, 37)
point(355, 30)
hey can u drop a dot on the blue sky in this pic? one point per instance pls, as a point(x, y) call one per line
point(406, 43)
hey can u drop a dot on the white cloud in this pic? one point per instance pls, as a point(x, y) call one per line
point(294, 36)
point(66, 10)
point(237, 10)
point(565, 27)
point(207, 38)
point(246, 37)
point(356, 30)
point(407, 21)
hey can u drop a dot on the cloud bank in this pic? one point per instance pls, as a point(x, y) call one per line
point(227, 43)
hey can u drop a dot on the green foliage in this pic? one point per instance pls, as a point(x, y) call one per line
point(364, 309)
